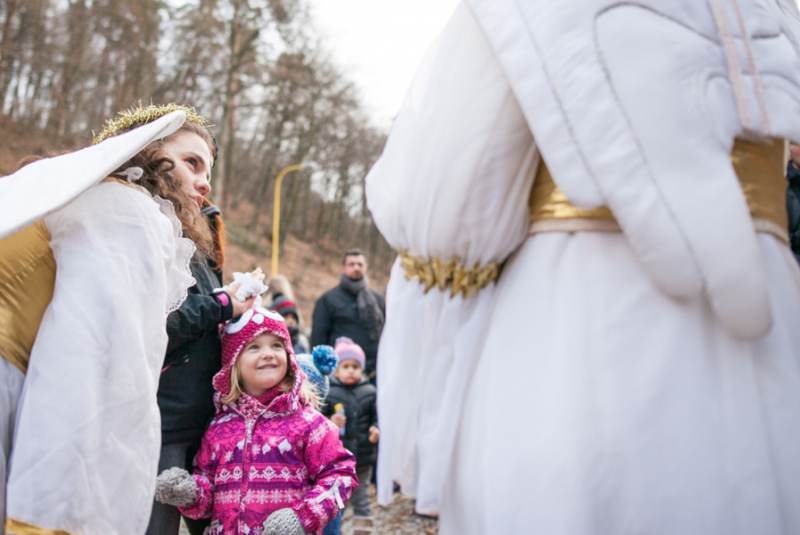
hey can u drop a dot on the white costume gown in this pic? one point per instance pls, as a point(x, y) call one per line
point(85, 426)
point(572, 397)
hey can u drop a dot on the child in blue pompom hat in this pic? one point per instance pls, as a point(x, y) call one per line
point(317, 366)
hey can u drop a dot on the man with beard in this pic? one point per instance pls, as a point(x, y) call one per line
point(351, 309)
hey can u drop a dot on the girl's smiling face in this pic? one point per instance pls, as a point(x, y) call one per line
point(262, 364)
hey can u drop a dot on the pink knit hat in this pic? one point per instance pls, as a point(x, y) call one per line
point(349, 350)
point(238, 334)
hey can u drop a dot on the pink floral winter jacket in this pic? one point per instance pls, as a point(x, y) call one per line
point(255, 460)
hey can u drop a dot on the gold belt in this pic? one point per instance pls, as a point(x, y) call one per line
point(759, 166)
point(27, 277)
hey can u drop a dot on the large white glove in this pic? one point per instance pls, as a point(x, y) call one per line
point(283, 522)
point(175, 486)
point(250, 284)
point(637, 105)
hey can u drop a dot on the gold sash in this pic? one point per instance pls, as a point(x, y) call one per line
point(27, 279)
point(15, 527)
point(759, 166)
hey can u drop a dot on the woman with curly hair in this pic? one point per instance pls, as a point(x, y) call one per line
point(93, 258)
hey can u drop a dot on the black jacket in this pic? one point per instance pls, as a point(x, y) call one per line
point(335, 315)
point(194, 355)
point(793, 209)
point(359, 409)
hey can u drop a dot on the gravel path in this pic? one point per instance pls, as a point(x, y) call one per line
point(398, 518)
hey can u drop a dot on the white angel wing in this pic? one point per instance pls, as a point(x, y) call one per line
point(44, 186)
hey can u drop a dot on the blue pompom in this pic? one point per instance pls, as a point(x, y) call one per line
point(325, 359)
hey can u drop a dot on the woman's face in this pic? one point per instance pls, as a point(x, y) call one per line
point(262, 364)
point(193, 163)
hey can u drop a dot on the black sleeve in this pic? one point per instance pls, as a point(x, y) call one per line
point(196, 316)
point(381, 303)
point(326, 409)
point(374, 411)
point(321, 323)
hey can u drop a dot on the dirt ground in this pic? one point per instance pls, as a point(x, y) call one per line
point(396, 519)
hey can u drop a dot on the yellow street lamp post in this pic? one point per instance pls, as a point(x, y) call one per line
point(276, 210)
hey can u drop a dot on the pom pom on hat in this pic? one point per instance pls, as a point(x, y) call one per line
point(325, 359)
point(317, 366)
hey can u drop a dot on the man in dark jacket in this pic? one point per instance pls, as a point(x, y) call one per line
point(351, 309)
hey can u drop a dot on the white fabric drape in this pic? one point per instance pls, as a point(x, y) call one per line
point(651, 138)
point(463, 194)
point(573, 397)
point(46, 185)
point(87, 438)
point(599, 405)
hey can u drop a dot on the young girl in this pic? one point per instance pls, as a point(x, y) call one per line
point(269, 464)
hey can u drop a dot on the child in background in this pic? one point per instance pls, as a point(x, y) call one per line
point(269, 463)
point(352, 390)
point(317, 366)
point(291, 316)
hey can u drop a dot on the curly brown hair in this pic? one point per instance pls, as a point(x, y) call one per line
point(157, 178)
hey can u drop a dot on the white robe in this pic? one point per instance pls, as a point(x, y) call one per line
point(573, 397)
point(86, 426)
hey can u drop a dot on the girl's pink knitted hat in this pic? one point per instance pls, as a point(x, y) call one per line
point(239, 333)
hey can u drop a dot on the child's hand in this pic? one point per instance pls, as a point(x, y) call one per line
point(374, 434)
point(283, 522)
point(176, 486)
point(339, 419)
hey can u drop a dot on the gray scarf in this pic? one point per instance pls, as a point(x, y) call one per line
point(368, 309)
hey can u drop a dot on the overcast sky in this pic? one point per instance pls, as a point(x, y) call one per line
point(379, 43)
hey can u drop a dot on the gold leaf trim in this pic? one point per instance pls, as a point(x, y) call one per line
point(453, 274)
point(140, 115)
point(16, 527)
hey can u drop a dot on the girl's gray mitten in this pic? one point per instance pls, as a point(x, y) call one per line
point(283, 522)
point(176, 486)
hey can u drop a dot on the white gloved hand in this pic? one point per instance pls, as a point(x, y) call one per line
point(175, 486)
point(283, 522)
point(250, 284)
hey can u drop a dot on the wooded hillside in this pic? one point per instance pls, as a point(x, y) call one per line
point(253, 67)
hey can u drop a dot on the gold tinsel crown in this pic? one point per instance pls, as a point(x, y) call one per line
point(139, 115)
